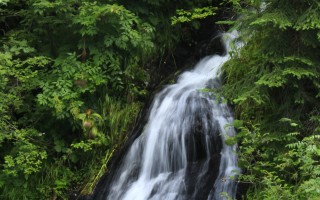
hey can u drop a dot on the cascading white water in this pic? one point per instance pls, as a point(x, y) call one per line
point(177, 155)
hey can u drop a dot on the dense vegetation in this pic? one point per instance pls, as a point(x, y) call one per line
point(273, 83)
point(73, 76)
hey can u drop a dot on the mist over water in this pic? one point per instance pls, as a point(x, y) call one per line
point(181, 152)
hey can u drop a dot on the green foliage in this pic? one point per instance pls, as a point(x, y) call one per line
point(115, 119)
point(69, 80)
point(197, 13)
point(25, 157)
point(279, 164)
point(285, 63)
point(273, 82)
point(58, 59)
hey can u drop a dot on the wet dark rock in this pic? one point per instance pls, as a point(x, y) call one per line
point(199, 186)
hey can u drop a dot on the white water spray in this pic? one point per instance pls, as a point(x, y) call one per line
point(177, 155)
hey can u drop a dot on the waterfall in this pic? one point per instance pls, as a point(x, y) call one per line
point(181, 153)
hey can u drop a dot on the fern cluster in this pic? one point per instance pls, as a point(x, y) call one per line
point(275, 76)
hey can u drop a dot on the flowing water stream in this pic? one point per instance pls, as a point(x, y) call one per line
point(181, 152)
